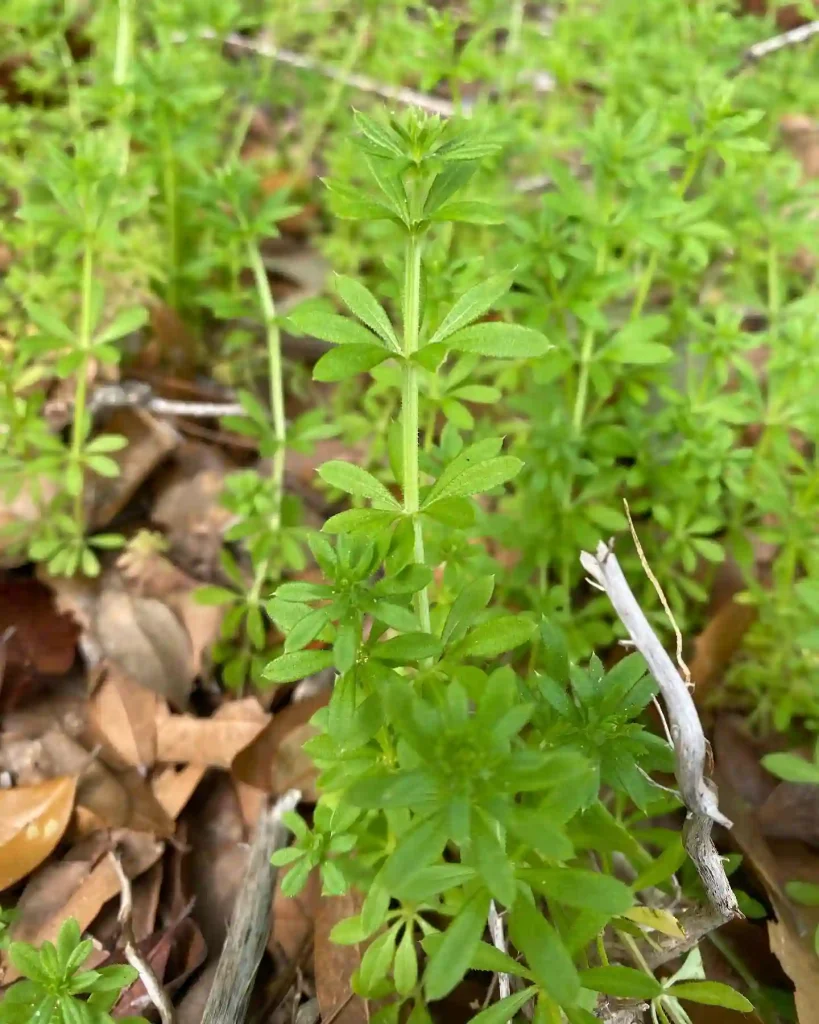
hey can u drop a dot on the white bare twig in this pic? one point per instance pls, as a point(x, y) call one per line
point(499, 942)
point(791, 38)
point(156, 993)
point(250, 923)
point(697, 792)
point(137, 395)
point(361, 83)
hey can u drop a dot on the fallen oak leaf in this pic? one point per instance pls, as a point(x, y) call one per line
point(32, 822)
point(800, 963)
point(210, 742)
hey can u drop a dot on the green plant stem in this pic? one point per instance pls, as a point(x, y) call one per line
point(78, 430)
point(275, 381)
point(586, 352)
point(409, 410)
point(647, 280)
point(122, 62)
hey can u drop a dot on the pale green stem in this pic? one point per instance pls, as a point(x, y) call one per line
point(275, 381)
point(80, 393)
point(409, 410)
point(586, 352)
point(647, 279)
point(122, 61)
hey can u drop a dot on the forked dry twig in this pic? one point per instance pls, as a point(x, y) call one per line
point(698, 793)
point(156, 993)
point(499, 942)
point(793, 37)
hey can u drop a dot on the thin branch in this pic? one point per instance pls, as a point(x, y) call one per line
point(499, 942)
point(698, 793)
point(776, 43)
point(250, 923)
point(137, 395)
point(362, 83)
point(156, 993)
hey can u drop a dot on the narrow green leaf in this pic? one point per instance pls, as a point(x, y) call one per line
point(496, 636)
point(451, 960)
point(357, 481)
point(473, 598)
point(289, 668)
point(50, 323)
point(409, 647)
point(471, 305)
point(363, 304)
point(501, 340)
point(791, 768)
point(545, 954)
point(421, 844)
point(346, 361)
point(477, 479)
point(368, 521)
point(621, 982)
point(504, 1010)
point(339, 330)
point(125, 322)
point(711, 993)
point(576, 887)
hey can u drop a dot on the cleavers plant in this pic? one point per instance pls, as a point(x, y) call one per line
point(455, 771)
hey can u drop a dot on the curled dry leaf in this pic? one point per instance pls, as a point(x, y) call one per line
point(122, 716)
point(149, 442)
point(210, 742)
point(188, 510)
point(32, 821)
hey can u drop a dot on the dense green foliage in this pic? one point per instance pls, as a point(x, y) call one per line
point(519, 359)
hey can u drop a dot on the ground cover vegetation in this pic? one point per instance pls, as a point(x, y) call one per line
point(331, 338)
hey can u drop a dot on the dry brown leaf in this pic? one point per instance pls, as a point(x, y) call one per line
point(293, 918)
point(334, 965)
point(801, 964)
point(50, 887)
point(716, 645)
point(150, 441)
point(188, 509)
point(257, 764)
point(150, 574)
point(210, 742)
point(174, 787)
point(293, 768)
point(218, 857)
point(146, 640)
point(139, 852)
point(122, 716)
point(141, 636)
point(32, 822)
point(105, 798)
point(41, 641)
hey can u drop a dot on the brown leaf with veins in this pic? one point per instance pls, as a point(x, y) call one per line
point(32, 822)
